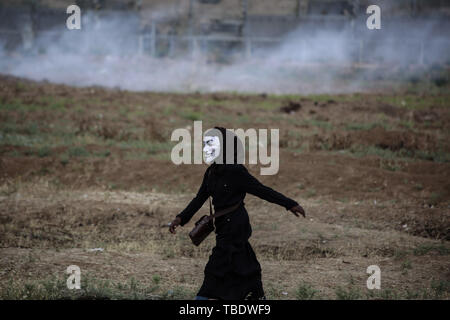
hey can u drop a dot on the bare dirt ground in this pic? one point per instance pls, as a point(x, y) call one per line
point(85, 168)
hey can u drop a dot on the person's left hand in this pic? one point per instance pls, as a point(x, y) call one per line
point(298, 209)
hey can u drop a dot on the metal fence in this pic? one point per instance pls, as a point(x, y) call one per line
point(172, 46)
point(360, 43)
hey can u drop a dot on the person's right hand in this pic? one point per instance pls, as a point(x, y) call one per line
point(174, 224)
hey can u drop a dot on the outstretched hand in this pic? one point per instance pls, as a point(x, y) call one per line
point(174, 224)
point(298, 209)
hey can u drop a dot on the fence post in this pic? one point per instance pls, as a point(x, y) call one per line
point(248, 48)
point(140, 45)
point(194, 45)
point(361, 51)
point(171, 46)
point(153, 40)
point(27, 32)
point(421, 53)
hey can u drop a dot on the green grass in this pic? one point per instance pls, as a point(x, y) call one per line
point(23, 140)
point(406, 265)
point(14, 128)
point(51, 139)
point(137, 155)
point(383, 294)
point(320, 98)
point(54, 288)
point(77, 151)
point(92, 288)
point(347, 293)
point(300, 186)
point(406, 124)
point(190, 115)
point(436, 198)
point(365, 126)
point(415, 102)
point(54, 103)
point(41, 143)
point(402, 154)
point(317, 123)
point(44, 102)
point(436, 156)
point(44, 152)
point(17, 105)
point(102, 153)
point(310, 193)
point(41, 138)
point(156, 279)
point(436, 290)
point(149, 146)
point(439, 289)
point(64, 159)
point(423, 249)
point(305, 292)
point(391, 165)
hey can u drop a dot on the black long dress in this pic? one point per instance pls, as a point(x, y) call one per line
point(232, 271)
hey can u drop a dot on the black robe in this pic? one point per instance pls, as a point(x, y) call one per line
point(232, 271)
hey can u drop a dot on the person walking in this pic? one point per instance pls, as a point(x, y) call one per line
point(233, 271)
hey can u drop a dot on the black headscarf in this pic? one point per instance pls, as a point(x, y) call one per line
point(227, 139)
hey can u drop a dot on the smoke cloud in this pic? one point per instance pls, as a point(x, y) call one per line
point(312, 59)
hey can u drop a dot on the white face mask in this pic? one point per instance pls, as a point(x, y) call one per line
point(211, 149)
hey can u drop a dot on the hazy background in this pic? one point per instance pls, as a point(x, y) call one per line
point(310, 52)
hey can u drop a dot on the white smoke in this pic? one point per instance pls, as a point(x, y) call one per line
point(105, 53)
